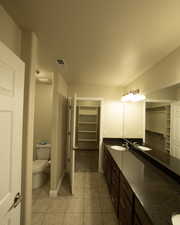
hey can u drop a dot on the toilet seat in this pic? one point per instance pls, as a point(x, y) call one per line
point(39, 165)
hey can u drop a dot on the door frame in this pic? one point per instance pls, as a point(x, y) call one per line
point(30, 58)
point(101, 100)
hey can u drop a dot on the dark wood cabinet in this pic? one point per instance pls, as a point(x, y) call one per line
point(140, 216)
point(112, 175)
point(136, 220)
point(115, 187)
point(125, 203)
point(107, 164)
point(127, 207)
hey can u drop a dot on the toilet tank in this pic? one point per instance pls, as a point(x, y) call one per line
point(43, 151)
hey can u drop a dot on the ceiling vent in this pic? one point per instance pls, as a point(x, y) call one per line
point(60, 61)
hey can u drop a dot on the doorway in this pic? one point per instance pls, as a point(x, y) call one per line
point(88, 113)
point(41, 165)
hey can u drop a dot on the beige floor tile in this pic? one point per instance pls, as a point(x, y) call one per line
point(33, 202)
point(75, 205)
point(79, 185)
point(64, 192)
point(59, 205)
point(91, 193)
point(93, 219)
point(42, 192)
point(103, 191)
point(102, 181)
point(80, 177)
point(37, 218)
point(109, 219)
point(78, 192)
point(92, 205)
point(91, 184)
point(54, 219)
point(106, 205)
point(41, 205)
point(73, 219)
point(36, 193)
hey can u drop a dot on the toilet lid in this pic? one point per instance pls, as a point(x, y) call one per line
point(39, 165)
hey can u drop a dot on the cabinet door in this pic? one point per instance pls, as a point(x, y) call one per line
point(125, 209)
point(140, 216)
point(107, 164)
point(115, 189)
point(136, 221)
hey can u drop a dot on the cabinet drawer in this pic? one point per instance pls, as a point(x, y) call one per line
point(126, 188)
point(125, 210)
point(141, 214)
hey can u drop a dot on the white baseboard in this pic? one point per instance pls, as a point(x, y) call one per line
point(54, 193)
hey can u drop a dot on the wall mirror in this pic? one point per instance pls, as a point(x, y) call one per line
point(162, 124)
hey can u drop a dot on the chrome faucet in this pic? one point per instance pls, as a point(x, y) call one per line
point(135, 144)
point(127, 146)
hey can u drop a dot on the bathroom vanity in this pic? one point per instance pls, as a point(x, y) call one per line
point(142, 193)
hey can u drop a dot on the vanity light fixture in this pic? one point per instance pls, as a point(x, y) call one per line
point(133, 96)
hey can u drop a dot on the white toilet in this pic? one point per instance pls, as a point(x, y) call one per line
point(41, 165)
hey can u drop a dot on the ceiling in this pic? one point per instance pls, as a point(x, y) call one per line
point(102, 42)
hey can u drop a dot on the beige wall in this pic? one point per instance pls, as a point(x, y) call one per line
point(58, 156)
point(10, 33)
point(112, 107)
point(163, 94)
point(164, 74)
point(43, 109)
point(29, 55)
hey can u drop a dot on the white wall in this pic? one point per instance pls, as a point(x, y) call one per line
point(164, 74)
point(163, 94)
point(10, 33)
point(59, 134)
point(43, 109)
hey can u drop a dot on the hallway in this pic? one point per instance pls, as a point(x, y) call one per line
point(91, 204)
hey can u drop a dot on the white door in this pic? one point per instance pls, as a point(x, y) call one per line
point(175, 130)
point(73, 142)
point(11, 115)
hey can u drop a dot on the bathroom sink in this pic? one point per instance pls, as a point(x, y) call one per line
point(176, 219)
point(143, 148)
point(118, 148)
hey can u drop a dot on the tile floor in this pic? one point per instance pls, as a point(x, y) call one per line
point(86, 161)
point(90, 205)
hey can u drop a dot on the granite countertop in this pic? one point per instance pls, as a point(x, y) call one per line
point(166, 160)
point(158, 193)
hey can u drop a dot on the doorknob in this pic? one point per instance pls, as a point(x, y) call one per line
point(17, 200)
